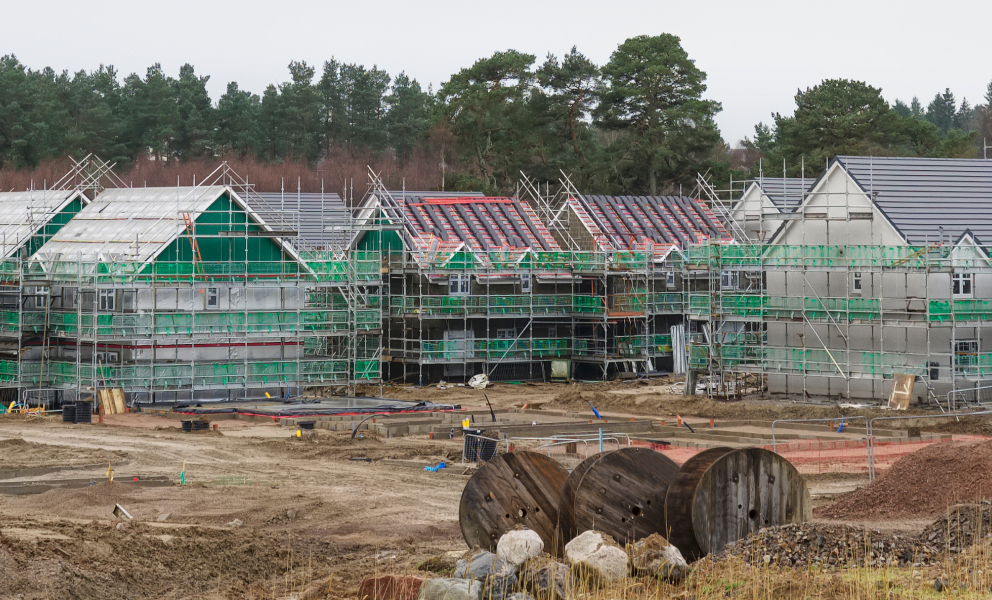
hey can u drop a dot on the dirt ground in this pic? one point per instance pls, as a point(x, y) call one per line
point(265, 515)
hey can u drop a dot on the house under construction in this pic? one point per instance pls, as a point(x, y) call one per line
point(881, 269)
point(188, 293)
point(825, 288)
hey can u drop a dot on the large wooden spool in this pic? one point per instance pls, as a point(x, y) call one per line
point(722, 495)
point(566, 519)
point(519, 488)
point(621, 494)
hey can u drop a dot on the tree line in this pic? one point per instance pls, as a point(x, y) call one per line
point(637, 124)
point(851, 117)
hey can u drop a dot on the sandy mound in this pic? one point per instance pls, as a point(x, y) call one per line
point(18, 454)
point(923, 483)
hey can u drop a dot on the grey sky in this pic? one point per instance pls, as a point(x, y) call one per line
point(756, 54)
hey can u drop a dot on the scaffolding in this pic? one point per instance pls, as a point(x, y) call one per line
point(835, 306)
point(188, 294)
point(217, 292)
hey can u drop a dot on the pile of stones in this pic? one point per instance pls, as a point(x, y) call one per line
point(521, 570)
point(839, 546)
point(962, 526)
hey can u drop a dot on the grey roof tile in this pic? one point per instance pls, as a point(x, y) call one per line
point(786, 193)
point(922, 196)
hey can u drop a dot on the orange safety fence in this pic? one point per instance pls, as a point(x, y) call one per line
point(814, 457)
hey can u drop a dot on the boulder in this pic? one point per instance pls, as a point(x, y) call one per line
point(390, 587)
point(653, 556)
point(450, 589)
point(545, 578)
point(479, 565)
point(518, 545)
point(596, 555)
point(500, 586)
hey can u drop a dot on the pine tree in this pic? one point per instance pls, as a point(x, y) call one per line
point(408, 116)
point(941, 111)
point(195, 115)
point(237, 121)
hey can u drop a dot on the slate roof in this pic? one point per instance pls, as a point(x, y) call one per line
point(322, 221)
point(921, 195)
point(626, 222)
point(23, 214)
point(786, 193)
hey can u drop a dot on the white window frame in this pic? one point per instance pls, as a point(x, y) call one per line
point(966, 358)
point(506, 334)
point(459, 284)
point(858, 286)
point(212, 298)
point(670, 279)
point(962, 285)
point(525, 283)
point(728, 280)
point(107, 300)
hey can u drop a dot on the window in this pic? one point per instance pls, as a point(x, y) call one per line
point(40, 301)
point(70, 297)
point(129, 300)
point(459, 285)
point(961, 285)
point(107, 300)
point(966, 357)
point(727, 280)
point(506, 334)
point(670, 279)
point(857, 283)
point(213, 297)
point(525, 283)
point(107, 357)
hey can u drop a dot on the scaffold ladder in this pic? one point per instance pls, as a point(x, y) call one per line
point(188, 221)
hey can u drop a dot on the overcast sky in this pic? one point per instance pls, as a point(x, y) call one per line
point(756, 54)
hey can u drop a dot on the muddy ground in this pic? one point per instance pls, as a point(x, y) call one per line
point(263, 515)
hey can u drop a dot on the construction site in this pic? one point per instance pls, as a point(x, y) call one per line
point(214, 391)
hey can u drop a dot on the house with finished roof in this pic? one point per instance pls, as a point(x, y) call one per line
point(882, 272)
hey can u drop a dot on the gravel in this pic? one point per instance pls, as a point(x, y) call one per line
point(813, 544)
point(923, 483)
point(962, 526)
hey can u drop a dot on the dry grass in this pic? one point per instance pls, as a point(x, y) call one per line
point(967, 576)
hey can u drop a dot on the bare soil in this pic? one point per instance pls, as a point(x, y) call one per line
point(261, 516)
point(661, 397)
point(266, 515)
point(19, 454)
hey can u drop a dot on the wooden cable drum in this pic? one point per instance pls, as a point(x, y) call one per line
point(722, 495)
point(623, 494)
point(518, 488)
point(566, 506)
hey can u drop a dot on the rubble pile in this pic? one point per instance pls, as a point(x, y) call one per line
point(962, 526)
point(811, 544)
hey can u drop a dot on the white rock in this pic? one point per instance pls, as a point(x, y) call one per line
point(598, 555)
point(450, 589)
point(517, 546)
point(653, 556)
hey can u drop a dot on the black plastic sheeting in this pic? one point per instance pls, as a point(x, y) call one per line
point(302, 411)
